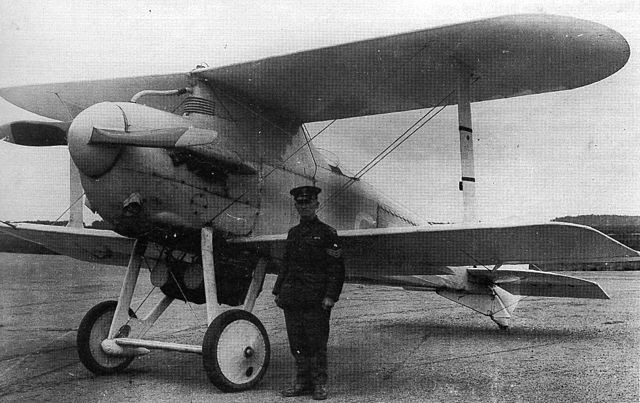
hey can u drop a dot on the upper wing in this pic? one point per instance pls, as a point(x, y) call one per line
point(428, 249)
point(510, 56)
point(64, 101)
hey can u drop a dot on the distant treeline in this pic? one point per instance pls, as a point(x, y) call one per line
point(609, 224)
point(624, 229)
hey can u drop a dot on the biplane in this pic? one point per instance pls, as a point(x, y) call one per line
point(193, 171)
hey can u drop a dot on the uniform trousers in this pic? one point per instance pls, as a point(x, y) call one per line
point(308, 332)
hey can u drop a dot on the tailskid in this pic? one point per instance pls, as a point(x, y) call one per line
point(498, 304)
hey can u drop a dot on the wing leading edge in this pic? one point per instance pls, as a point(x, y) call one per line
point(509, 56)
point(428, 249)
point(384, 252)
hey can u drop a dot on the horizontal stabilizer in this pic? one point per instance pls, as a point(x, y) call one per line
point(539, 284)
point(173, 137)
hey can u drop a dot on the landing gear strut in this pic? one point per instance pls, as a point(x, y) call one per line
point(492, 301)
point(235, 350)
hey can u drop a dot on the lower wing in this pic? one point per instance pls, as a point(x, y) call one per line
point(90, 245)
point(421, 258)
point(436, 258)
point(430, 249)
point(459, 261)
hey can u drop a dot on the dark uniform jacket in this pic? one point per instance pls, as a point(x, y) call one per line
point(313, 266)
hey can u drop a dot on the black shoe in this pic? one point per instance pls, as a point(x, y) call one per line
point(297, 389)
point(320, 392)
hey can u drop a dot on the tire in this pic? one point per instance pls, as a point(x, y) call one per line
point(236, 351)
point(93, 329)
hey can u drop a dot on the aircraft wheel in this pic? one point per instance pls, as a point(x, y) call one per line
point(93, 329)
point(236, 351)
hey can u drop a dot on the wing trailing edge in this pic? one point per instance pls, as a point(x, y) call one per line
point(424, 250)
point(506, 57)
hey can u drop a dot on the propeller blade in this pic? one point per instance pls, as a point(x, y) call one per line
point(35, 133)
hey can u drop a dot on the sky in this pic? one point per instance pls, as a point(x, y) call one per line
point(537, 157)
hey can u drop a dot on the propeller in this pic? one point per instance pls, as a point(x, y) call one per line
point(35, 133)
point(96, 136)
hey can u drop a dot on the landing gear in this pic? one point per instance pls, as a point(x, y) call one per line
point(93, 329)
point(236, 351)
point(502, 322)
point(489, 300)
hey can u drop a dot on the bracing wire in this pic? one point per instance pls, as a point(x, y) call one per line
point(367, 167)
point(391, 73)
point(313, 157)
point(193, 312)
point(307, 142)
point(401, 142)
point(65, 105)
point(423, 120)
point(395, 144)
point(69, 208)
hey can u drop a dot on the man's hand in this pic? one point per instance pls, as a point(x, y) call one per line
point(327, 303)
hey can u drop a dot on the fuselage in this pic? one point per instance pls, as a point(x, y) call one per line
point(170, 191)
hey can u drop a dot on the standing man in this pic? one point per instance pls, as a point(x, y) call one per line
point(307, 287)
